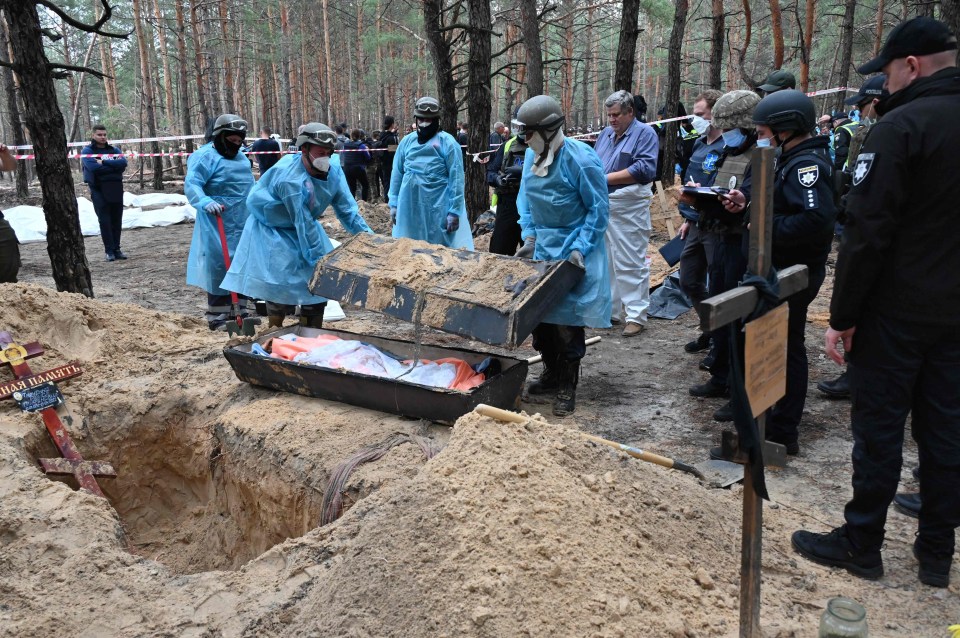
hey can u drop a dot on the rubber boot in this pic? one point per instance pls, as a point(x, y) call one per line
point(311, 321)
point(566, 401)
point(275, 321)
point(548, 381)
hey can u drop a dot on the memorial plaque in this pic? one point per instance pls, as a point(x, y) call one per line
point(765, 373)
point(39, 397)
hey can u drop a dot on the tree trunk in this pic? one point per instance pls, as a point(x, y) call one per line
point(13, 109)
point(587, 68)
point(530, 29)
point(75, 111)
point(718, 30)
point(846, 49)
point(627, 46)
point(231, 102)
point(673, 88)
point(443, 69)
point(776, 20)
point(741, 58)
point(949, 13)
point(183, 81)
point(478, 106)
point(165, 58)
point(807, 46)
point(198, 65)
point(329, 78)
point(148, 103)
point(68, 261)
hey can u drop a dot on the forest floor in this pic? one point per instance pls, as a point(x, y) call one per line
point(210, 528)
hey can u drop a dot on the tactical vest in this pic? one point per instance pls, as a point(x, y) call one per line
point(730, 174)
point(512, 158)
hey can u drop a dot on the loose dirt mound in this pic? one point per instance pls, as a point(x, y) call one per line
point(210, 528)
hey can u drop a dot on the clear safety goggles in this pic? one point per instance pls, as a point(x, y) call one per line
point(237, 126)
point(522, 129)
point(428, 106)
point(321, 137)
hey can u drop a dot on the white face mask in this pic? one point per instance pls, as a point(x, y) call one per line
point(539, 145)
point(322, 164)
point(699, 124)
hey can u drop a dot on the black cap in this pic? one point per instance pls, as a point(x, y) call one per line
point(777, 81)
point(919, 36)
point(871, 89)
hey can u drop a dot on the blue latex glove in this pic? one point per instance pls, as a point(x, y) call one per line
point(214, 208)
point(526, 251)
point(452, 223)
point(576, 258)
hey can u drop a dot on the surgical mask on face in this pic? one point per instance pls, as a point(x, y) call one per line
point(734, 138)
point(322, 164)
point(699, 124)
point(763, 142)
point(537, 143)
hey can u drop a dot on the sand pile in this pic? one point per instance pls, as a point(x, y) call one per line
point(210, 528)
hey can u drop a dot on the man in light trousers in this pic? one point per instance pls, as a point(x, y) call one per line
point(628, 151)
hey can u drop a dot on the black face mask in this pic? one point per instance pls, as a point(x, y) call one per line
point(225, 147)
point(424, 133)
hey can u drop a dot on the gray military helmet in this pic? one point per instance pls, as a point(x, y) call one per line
point(539, 113)
point(787, 110)
point(734, 110)
point(229, 123)
point(317, 133)
point(427, 108)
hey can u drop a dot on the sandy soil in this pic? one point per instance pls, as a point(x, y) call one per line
point(210, 528)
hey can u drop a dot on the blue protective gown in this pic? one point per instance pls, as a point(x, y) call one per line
point(565, 211)
point(213, 178)
point(425, 185)
point(282, 239)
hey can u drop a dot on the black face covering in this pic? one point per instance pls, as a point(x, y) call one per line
point(225, 147)
point(424, 133)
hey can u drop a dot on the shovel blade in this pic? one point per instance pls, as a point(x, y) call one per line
point(719, 473)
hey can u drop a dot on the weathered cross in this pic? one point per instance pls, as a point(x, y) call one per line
point(39, 393)
point(765, 371)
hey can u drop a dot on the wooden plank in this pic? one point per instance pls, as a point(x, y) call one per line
point(735, 304)
point(665, 213)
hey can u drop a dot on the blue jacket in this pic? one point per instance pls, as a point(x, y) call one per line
point(111, 170)
point(282, 239)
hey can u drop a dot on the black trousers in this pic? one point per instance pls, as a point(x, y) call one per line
point(386, 170)
point(9, 253)
point(357, 175)
point(506, 227)
point(220, 307)
point(726, 270)
point(785, 416)
point(309, 310)
point(110, 216)
point(559, 343)
point(899, 368)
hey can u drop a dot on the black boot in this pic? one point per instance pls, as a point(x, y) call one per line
point(835, 549)
point(907, 503)
point(311, 321)
point(566, 401)
point(549, 379)
point(838, 388)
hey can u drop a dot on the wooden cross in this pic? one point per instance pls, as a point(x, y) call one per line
point(764, 383)
point(666, 213)
point(39, 393)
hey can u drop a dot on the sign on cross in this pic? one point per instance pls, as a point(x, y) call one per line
point(765, 374)
point(39, 393)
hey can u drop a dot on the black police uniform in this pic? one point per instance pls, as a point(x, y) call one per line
point(898, 283)
point(504, 172)
point(803, 218)
point(9, 253)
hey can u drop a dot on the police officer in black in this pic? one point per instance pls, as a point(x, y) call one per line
point(896, 308)
point(803, 218)
point(503, 173)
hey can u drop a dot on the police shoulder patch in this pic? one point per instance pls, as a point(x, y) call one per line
point(808, 175)
point(862, 167)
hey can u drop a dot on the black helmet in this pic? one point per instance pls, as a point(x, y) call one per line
point(229, 123)
point(316, 133)
point(540, 113)
point(427, 108)
point(787, 110)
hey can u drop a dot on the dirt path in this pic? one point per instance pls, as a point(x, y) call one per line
point(509, 531)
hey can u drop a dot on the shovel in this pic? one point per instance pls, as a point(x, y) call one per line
point(240, 325)
point(637, 453)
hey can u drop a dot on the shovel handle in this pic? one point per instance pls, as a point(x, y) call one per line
point(637, 453)
point(589, 342)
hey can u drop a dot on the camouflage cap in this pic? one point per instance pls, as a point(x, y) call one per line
point(735, 110)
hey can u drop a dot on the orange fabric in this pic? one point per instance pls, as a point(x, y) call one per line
point(464, 380)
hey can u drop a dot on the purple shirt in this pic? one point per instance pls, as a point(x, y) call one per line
point(636, 151)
